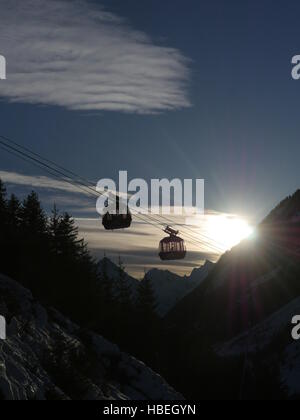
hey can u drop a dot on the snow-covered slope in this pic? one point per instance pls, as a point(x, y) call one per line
point(170, 288)
point(45, 356)
point(261, 336)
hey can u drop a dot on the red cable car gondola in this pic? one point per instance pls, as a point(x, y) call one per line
point(117, 220)
point(172, 247)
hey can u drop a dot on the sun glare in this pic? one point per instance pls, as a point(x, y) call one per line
point(228, 231)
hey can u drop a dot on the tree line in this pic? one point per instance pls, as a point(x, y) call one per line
point(45, 254)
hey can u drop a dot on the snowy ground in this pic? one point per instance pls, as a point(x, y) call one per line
point(260, 336)
point(45, 356)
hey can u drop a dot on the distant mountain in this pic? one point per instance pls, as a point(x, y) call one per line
point(248, 284)
point(251, 272)
point(113, 273)
point(247, 301)
point(169, 288)
point(200, 273)
point(47, 357)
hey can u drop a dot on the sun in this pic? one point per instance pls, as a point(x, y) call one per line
point(227, 231)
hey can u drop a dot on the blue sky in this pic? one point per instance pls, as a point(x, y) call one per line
point(194, 89)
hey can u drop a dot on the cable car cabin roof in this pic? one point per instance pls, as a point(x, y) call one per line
point(169, 239)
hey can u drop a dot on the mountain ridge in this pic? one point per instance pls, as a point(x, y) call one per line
point(238, 306)
point(47, 357)
point(288, 208)
point(169, 287)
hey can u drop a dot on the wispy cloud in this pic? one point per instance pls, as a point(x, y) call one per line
point(77, 55)
point(40, 182)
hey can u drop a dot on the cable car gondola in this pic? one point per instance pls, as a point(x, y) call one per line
point(172, 247)
point(118, 220)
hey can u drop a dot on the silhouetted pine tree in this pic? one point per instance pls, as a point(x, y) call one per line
point(34, 242)
point(3, 228)
point(3, 208)
point(3, 201)
point(104, 319)
point(33, 217)
point(67, 240)
point(123, 315)
point(106, 284)
point(77, 276)
point(146, 301)
point(14, 212)
point(67, 234)
point(147, 323)
point(54, 229)
point(13, 246)
point(124, 290)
